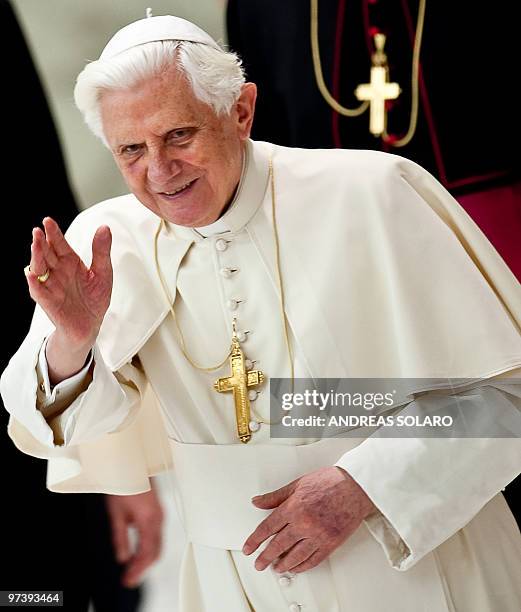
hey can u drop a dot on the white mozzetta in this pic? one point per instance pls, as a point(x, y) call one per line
point(384, 276)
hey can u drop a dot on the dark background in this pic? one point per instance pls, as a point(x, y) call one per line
point(49, 541)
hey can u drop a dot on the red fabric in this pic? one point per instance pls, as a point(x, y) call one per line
point(497, 211)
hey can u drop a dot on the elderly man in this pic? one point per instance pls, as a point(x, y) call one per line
point(287, 263)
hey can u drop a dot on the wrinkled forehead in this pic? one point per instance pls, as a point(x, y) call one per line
point(155, 105)
point(166, 87)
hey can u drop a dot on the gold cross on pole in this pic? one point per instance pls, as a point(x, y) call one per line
point(379, 89)
point(238, 382)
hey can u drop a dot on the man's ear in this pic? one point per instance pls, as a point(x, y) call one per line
point(245, 109)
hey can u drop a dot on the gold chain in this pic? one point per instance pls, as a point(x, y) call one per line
point(415, 71)
point(317, 65)
point(281, 292)
point(172, 310)
point(415, 77)
point(279, 272)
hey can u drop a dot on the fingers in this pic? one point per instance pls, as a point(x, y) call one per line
point(37, 267)
point(281, 543)
point(43, 259)
point(317, 557)
point(144, 513)
point(296, 556)
point(48, 251)
point(38, 263)
point(120, 538)
point(101, 245)
point(55, 238)
point(43, 255)
point(39, 292)
point(268, 527)
point(275, 498)
point(148, 551)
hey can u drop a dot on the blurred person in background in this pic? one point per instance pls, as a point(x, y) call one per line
point(52, 541)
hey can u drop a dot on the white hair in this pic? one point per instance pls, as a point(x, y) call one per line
point(216, 77)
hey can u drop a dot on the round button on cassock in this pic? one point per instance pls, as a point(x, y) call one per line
point(294, 607)
point(241, 336)
point(284, 581)
point(253, 395)
point(227, 272)
point(221, 245)
point(254, 426)
point(232, 305)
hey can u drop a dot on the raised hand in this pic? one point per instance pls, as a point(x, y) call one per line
point(74, 297)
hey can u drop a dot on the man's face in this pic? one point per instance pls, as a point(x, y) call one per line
point(179, 158)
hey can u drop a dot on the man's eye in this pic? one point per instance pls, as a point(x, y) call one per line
point(130, 149)
point(180, 134)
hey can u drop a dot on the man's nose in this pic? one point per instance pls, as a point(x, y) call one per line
point(162, 168)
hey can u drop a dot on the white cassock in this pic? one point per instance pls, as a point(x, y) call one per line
point(384, 276)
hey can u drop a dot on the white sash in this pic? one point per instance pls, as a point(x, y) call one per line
point(215, 483)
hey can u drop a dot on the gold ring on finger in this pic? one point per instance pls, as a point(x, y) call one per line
point(43, 277)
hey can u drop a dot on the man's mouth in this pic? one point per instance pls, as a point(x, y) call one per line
point(177, 192)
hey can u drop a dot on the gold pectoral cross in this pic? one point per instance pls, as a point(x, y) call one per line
point(379, 89)
point(238, 382)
